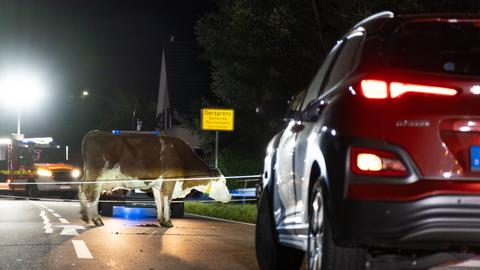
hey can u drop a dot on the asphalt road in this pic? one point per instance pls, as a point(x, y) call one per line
point(50, 235)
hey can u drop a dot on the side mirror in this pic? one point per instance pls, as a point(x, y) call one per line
point(273, 109)
point(313, 111)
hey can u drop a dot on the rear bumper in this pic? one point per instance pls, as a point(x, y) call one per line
point(437, 222)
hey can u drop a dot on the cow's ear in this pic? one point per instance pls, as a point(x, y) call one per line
point(215, 172)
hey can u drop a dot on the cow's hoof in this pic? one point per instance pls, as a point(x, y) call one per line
point(85, 218)
point(97, 221)
point(166, 223)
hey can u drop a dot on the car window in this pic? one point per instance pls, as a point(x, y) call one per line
point(346, 60)
point(437, 47)
point(295, 103)
point(315, 86)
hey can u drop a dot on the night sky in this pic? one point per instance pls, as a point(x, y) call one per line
point(102, 46)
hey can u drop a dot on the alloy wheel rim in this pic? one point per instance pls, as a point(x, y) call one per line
point(315, 237)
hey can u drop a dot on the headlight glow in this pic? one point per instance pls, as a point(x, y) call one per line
point(43, 172)
point(76, 173)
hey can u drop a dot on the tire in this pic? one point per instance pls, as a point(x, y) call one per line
point(323, 253)
point(271, 255)
point(32, 191)
point(105, 209)
point(177, 209)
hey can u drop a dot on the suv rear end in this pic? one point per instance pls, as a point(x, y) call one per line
point(423, 96)
point(389, 145)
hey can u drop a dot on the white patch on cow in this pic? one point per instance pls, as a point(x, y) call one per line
point(215, 189)
point(219, 191)
point(177, 190)
point(115, 173)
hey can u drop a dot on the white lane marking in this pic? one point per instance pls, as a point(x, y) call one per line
point(81, 249)
point(50, 210)
point(473, 262)
point(71, 229)
point(64, 221)
point(220, 219)
point(56, 215)
point(46, 222)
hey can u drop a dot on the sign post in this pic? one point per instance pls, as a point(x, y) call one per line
point(214, 119)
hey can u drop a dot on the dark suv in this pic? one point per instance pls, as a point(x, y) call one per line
point(384, 152)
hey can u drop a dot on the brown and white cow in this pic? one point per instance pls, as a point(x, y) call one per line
point(137, 157)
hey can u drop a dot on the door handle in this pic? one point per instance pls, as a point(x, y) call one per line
point(297, 127)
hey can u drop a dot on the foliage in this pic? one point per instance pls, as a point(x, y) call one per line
point(264, 49)
point(237, 212)
point(118, 111)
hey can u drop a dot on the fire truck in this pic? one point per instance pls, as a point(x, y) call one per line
point(36, 160)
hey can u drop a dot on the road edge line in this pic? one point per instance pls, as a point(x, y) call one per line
point(220, 219)
point(81, 249)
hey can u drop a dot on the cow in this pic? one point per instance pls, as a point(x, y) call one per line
point(109, 159)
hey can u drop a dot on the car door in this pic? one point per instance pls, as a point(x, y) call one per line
point(338, 64)
point(284, 164)
point(286, 178)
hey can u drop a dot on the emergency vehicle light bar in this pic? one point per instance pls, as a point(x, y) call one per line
point(5, 141)
point(39, 140)
point(119, 132)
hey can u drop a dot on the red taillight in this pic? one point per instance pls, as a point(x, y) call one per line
point(374, 89)
point(377, 89)
point(365, 161)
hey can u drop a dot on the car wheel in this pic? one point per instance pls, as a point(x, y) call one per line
point(32, 191)
point(270, 253)
point(323, 253)
point(105, 209)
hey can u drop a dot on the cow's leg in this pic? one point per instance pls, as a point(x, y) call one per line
point(83, 203)
point(166, 212)
point(94, 206)
point(158, 203)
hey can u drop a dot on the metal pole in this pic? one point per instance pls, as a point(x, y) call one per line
point(18, 120)
point(216, 149)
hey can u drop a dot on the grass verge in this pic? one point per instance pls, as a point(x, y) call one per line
point(237, 212)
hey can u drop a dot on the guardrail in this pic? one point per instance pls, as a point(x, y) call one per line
point(244, 195)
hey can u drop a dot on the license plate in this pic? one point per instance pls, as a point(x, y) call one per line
point(64, 187)
point(475, 158)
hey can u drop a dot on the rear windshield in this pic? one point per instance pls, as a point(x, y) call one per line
point(442, 47)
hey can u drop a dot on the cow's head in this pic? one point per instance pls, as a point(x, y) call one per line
point(217, 189)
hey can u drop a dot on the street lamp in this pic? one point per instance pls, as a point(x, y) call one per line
point(85, 93)
point(20, 90)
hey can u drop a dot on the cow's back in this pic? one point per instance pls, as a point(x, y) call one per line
point(144, 156)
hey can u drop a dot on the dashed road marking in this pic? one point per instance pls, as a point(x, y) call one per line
point(50, 210)
point(46, 222)
point(70, 229)
point(56, 215)
point(64, 221)
point(81, 249)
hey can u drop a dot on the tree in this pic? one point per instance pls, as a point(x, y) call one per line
point(264, 49)
point(252, 46)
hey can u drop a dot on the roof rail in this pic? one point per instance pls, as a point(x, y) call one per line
point(379, 15)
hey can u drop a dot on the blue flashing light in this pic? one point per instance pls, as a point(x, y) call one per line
point(134, 213)
point(119, 132)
